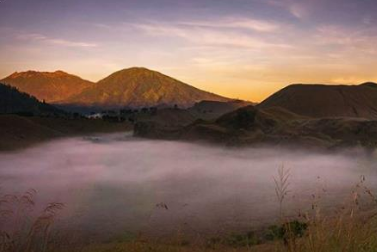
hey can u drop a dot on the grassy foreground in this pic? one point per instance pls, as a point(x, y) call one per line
point(352, 228)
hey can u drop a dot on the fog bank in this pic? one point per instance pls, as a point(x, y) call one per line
point(114, 183)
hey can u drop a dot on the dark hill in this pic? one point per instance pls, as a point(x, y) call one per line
point(209, 110)
point(321, 101)
point(273, 126)
point(13, 101)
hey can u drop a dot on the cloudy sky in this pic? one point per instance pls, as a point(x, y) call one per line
point(239, 48)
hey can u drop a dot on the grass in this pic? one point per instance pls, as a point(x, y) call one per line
point(352, 228)
point(282, 188)
point(21, 230)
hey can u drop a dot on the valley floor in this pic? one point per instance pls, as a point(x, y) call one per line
point(17, 132)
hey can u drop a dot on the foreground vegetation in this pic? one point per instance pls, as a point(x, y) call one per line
point(353, 227)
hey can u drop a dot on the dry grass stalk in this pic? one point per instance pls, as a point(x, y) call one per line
point(19, 231)
point(282, 187)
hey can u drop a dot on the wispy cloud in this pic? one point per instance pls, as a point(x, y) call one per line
point(249, 24)
point(208, 35)
point(53, 41)
point(298, 9)
point(367, 20)
point(360, 40)
point(234, 22)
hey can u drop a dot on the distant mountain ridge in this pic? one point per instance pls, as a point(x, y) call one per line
point(140, 87)
point(134, 87)
point(48, 86)
point(320, 101)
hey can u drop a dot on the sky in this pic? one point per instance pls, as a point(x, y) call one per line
point(245, 49)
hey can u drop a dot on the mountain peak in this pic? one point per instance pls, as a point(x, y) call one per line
point(138, 76)
point(21, 74)
point(33, 73)
point(48, 86)
point(369, 84)
point(141, 87)
point(60, 72)
point(136, 71)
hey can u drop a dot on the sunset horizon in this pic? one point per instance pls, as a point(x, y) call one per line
point(244, 49)
point(188, 125)
point(228, 95)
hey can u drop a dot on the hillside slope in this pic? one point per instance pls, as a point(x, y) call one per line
point(139, 87)
point(327, 100)
point(250, 126)
point(209, 110)
point(13, 101)
point(48, 86)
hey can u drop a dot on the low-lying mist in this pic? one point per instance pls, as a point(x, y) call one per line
point(117, 183)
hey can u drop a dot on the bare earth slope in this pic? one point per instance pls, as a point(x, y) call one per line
point(326, 100)
point(140, 87)
point(48, 86)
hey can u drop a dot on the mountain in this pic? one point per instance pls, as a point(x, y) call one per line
point(139, 87)
point(320, 101)
point(13, 101)
point(48, 86)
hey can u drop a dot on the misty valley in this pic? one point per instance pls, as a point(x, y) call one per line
point(117, 185)
point(141, 161)
point(188, 126)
